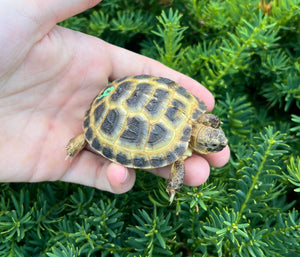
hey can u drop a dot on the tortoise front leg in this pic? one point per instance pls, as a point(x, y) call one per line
point(175, 180)
point(75, 145)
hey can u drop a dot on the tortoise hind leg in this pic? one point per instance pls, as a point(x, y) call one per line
point(75, 145)
point(175, 180)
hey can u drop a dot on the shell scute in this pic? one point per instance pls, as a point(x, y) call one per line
point(168, 82)
point(99, 112)
point(176, 112)
point(143, 76)
point(108, 152)
point(157, 102)
point(141, 161)
point(121, 92)
point(139, 97)
point(89, 134)
point(157, 134)
point(96, 144)
point(171, 157)
point(182, 91)
point(186, 134)
point(86, 122)
point(135, 132)
point(123, 159)
point(158, 161)
point(111, 122)
point(180, 150)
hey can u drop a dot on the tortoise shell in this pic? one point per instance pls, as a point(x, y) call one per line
point(142, 121)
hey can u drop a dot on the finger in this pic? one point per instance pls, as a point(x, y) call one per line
point(126, 63)
point(92, 170)
point(120, 178)
point(27, 22)
point(57, 11)
point(37, 18)
point(196, 171)
point(218, 159)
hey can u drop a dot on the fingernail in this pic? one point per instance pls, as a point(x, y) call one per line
point(125, 176)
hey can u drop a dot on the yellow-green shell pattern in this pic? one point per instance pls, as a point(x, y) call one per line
point(142, 121)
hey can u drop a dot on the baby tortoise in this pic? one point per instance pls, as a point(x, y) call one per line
point(148, 122)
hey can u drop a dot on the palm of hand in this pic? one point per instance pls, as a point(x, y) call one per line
point(43, 104)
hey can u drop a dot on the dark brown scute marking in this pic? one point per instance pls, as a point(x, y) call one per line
point(138, 94)
point(98, 112)
point(196, 114)
point(177, 106)
point(157, 134)
point(89, 134)
point(182, 91)
point(96, 144)
point(158, 162)
point(122, 159)
point(201, 105)
point(186, 134)
point(87, 113)
point(135, 131)
point(154, 104)
point(86, 122)
point(166, 81)
point(171, 157)
point(121, 79)
point(160, 94)
point(140, 162)
point(170, 113)
point(120, 90)
point(110, 123)
point(107, 152)
point(143, 76)
point(180, 150)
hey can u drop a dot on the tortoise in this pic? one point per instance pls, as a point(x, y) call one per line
point(146, 122)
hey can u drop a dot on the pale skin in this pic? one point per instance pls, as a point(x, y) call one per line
point(48, 77)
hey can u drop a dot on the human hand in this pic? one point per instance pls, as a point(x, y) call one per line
point(48, 77)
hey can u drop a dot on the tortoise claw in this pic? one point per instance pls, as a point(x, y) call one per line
point(69, 156)
point(172, 195)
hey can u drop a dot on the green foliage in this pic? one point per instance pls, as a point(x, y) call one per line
point(296, 129)
point(151, 234)
point(171, 33)
point(294, 172)
point(248, 54)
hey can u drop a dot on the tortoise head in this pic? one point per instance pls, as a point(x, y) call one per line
point(207, 136)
